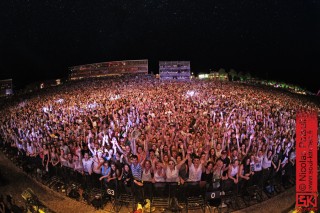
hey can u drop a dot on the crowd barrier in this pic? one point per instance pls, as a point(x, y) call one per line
point(163, 195)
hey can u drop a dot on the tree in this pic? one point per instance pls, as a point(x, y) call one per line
point(232, 73)
point(222, 73)
point(248, 76)
point(241, 76)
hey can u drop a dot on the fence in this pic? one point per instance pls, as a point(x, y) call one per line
point(164, 195)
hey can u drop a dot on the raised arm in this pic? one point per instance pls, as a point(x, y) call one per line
point(90, 148)
point(134, 147)
point(250, 141)
point(237, 137)
point(181, 163)
point(189, 160)
point(105, 140)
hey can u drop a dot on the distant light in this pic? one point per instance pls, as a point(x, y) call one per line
point(203, 76)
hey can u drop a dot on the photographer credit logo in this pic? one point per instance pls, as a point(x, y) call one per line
point(308, 200)
point(306, 157)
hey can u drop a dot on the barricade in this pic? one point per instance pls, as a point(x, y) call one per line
point(163, 195)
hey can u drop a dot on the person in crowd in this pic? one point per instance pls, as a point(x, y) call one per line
point(63, 158)
point(141, 154)
point(212, 155)
point(54, 162)
point(207, 176)
point(195, 171)
point(112, 179)
point(137, 185)
point(78, 167)
point(245, 175)
point(105, 173)
point(45, 157)
point(96, 168)
point(276, 164)
point(233, 175)
point(258, 175)
point(31, 153)
point(87, 169)
point(173, 180)
point(159, 179)
point(147, 177)
point(217, 175)
point(152, 157)
point(126, 179)
point(287, 165)
point(242, 151)
point(225, 160)
point(70, 161)
point(266, 166)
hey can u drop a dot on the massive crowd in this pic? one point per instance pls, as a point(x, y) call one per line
point(134, 133)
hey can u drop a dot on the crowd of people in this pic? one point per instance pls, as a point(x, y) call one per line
point(137, 133)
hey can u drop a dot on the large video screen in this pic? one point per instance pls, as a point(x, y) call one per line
point(171, 70)
point(109, 68)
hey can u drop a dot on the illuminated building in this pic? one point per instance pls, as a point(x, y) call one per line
point(109, 69)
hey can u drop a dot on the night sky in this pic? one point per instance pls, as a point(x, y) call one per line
point(272, 39)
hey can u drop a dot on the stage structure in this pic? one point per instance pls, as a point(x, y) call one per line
point(6, 87)
point(172, 70)
point(111, 68)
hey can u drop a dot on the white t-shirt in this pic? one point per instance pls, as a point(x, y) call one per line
point(30, 149)
point(258, 164)
point(218, 153)
point(87, 165)
point(234, 171)
point(195, 173)
point(266, 163)
point(172, 175)
point(78, 166)
point(158, 178)
point(146, 175)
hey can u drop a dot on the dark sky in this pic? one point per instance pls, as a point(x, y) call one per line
point(270, 39)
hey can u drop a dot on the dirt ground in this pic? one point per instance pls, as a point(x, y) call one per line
point(279, 203)
point(15, 182)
